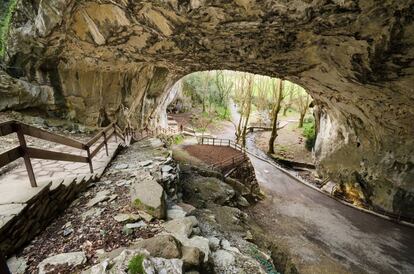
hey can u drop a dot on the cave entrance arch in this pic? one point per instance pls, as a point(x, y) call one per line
point(354, 58)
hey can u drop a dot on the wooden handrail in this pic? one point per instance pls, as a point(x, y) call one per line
point(10, 155)
point(52, 137)
point(93, 140)
point(26, 152)
point(37, 153)
point(7, 128)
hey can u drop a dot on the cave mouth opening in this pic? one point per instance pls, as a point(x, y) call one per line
point(248, 103)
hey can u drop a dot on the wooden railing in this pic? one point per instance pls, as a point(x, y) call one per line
point(229, 162)
point(139, 135)
point(92, 147)
point(220, 142)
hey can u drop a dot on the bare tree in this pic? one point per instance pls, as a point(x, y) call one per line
point(303, 102)
point(290, 92)
point(244, 86)
point(224, 87)
point(277, 96)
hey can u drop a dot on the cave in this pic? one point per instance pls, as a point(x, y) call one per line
point(101, 61)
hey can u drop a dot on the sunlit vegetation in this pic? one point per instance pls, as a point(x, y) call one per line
point(7, 8)
point(266, 97)
point(309, 133)
point(135, 265)
point(211, 90)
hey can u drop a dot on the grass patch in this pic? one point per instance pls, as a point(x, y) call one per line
point(139, 205)
point(178, 139)
point(5, 21)
point(309, 133)
point(135, 265)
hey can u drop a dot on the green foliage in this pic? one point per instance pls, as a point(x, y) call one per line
point(267, 266)
point(309, 132)
point(135, 265)
point(178, 139)
point(208, 90)
point(5, 21)
point(223, 113)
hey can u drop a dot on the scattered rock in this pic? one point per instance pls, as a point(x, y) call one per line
point(147, 217)
point(71, 259)
point(121, 166)
point(175, 212)
point(192, 256)
point(182, 227)
point(17, 265)
point(161, 265)
point(186, 207)
point(112, 198)
point(117, 264)
point(223, 259)
point(135, 225)
point(99, 197)
point(199, 242)
point(243, 202)
point(196, 231)
point(166, 168)
point(214, 243)
point(122, 218)
point(92, 212)
point(164, 246)
point(149, 196)
point(248, 236)
point(145, 163)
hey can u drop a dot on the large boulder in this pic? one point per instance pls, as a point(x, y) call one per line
point(182, 229)
point(164, 246)
point(72, 259)
point(201, 191)
point(148, 195)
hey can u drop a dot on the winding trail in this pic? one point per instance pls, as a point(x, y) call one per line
point(323, 235)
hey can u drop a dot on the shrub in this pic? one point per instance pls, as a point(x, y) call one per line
point(309, 134)
point(135, 265)
point(5, 21)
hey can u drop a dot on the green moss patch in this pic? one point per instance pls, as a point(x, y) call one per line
point(5, 20)
point(135, 265)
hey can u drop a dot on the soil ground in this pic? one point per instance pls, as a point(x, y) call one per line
point(212, 154)
point(289, 144)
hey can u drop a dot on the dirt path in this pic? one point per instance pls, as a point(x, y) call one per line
point(290, 143)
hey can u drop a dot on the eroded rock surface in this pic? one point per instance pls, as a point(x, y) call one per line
point(106, 60)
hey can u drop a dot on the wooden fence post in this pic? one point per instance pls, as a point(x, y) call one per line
point(106, 144)
point(27, 162)
point(213, 141)
point(88, 152)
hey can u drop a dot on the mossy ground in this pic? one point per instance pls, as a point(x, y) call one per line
point(135, 265)
point(5, 20)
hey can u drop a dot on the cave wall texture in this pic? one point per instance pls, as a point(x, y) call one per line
point(99, 60)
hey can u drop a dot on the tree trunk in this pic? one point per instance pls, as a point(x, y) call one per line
point(276, 111)
point(285, 110)
point(273, 135)
point(302, 117)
